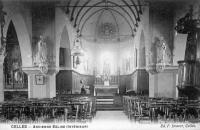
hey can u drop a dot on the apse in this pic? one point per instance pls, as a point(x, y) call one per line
point(106, 20)
point(106, 26)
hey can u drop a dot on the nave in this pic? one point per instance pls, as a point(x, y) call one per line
point(136, 109)
point(91, 61)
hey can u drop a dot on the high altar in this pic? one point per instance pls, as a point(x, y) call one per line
point(106, 88)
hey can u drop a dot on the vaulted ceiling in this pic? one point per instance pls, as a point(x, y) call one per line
point(108, 20)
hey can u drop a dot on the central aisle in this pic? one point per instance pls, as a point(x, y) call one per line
point(111, 120)
point(110, 116)
point(117, 120)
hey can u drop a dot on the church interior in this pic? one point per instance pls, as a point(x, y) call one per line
point(86, 60)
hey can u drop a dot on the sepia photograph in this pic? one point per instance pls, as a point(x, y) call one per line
point(100, 64)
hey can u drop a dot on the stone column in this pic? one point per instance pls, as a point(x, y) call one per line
point(40, 85)
point(163, 84)
point(51, 85)
point(1, 78)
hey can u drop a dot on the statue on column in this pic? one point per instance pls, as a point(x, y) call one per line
point(42, 54)
point(159, 55)
point(3, 39)
point(3, 47)
point(163, 55)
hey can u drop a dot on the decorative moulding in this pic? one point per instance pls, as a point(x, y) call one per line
point(36, 70)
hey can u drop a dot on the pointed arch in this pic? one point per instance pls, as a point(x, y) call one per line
point(64, 51)
point(142, 56)
point(14, 76)
point(23, 38)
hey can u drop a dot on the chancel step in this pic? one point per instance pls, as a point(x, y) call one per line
point(104, 100)
point(104, 103)
point(108, 107)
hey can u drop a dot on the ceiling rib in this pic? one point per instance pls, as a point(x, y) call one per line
point(140, 8)
point(68, 4)
point(136, 22)
point(85, 14)
point(89, 18)
point(88, 1)
point(72, 14)
point(125, 12)
point(115, 21)
point(108, 9)
point(97, 22)
point(136, 19)
point(138, 14)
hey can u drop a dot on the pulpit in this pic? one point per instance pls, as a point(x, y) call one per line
point(188, 75)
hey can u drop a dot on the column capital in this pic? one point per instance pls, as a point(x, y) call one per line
point(1, 59)
point(152, 69)
point(36, 70)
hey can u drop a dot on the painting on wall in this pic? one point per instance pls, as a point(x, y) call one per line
point(39, 79)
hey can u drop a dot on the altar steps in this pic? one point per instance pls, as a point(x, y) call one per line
point(106, 103)
point(108, 107)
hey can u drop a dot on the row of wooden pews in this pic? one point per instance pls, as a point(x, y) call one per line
point(65, 108)
point(140, 108)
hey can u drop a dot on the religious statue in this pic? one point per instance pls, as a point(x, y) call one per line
point(159, 55)
point(42, 54)
point(2, 15)
point(3, 47)
point(17, 72)
point(164, 54)
point(3, 39)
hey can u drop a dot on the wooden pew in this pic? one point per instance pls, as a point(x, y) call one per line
point(41, 110)
point(161, 109)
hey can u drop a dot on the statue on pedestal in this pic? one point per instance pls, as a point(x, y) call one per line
point(3, 39)
point(159, 55)
point(42, 54)
point(2, 49)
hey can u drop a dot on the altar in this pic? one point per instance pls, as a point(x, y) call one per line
point(104, 90)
